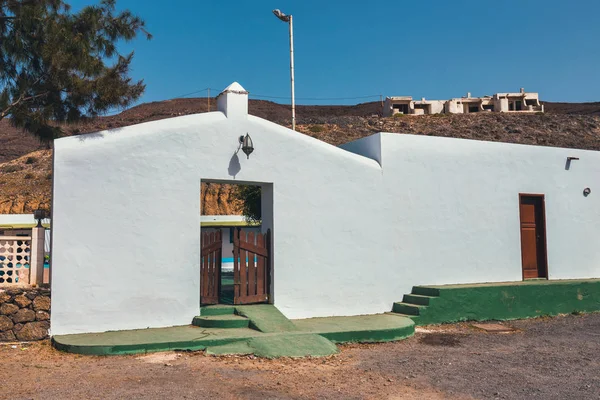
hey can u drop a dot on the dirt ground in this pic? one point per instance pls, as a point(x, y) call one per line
point(548, 358)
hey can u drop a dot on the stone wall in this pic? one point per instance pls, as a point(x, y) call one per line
point(24, 314)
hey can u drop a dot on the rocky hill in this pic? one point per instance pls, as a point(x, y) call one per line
point(25, 164)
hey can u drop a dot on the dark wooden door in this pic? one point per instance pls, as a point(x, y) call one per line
point(533, 236)
point(251, 254)
point(210, 267)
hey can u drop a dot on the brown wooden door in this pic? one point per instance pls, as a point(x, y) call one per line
point(210, 267)
point(533, 236)
point(251, 267)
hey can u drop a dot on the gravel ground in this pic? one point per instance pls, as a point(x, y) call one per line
point(553, 358)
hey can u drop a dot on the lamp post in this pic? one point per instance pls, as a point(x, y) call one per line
point(288, 19)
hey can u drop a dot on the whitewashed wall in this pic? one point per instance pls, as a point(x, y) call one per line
point(453, 209)
point(351, 233)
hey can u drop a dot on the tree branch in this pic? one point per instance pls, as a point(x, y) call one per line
point(21, 99)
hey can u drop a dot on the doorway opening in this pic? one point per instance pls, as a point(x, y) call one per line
point(534, 257)
point(236, 263)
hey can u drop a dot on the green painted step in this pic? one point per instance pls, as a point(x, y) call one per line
point(426, 291)
point(405, 308)
point(221, 321)
point(417, 299)
point(216, 310)
point(501, 300)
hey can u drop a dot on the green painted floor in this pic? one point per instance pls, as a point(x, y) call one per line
point(307, 337)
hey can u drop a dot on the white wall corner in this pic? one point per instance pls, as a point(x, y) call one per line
point(369, 147)
point(233, 101)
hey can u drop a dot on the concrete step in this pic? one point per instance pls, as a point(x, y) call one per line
point(221, 321)
point(405, 308)
point(425, 291)
point(218, 309)
point(417, 299)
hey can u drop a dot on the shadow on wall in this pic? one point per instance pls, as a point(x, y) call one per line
point(234, 165)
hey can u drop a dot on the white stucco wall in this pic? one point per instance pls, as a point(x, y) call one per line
point(352, 230)
point(437, 107)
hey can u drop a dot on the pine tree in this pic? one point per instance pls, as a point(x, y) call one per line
point(57, 66)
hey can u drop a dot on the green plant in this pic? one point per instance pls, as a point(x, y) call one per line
point(31, 160)
point(316, 128)
point(29, 175)
point(250, 197)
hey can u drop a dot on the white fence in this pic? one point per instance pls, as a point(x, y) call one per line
point(15, 260)
point(22, 259)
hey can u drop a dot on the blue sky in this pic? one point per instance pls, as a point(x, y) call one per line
point(352, 48)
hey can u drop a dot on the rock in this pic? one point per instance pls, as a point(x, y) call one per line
point(22, 301)
point(14, 291)
point(24, 315)
point(33, 331)
point(41, 303)
point(4, 297)
point(42, 316)
point(5, 323)
point(17, 327)
point(8, 309)
point(32, 295)
point(7, 336)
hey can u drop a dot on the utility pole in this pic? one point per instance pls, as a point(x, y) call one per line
point(289, 20)
point(208, 98)
point(292, 73)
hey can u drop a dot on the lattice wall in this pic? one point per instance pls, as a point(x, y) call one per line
point(15, 258)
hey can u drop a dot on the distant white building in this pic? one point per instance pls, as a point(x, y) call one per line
point(499, 102)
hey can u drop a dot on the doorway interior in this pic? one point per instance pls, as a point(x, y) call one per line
point(236, 258)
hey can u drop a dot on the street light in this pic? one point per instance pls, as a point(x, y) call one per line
point(288, 19)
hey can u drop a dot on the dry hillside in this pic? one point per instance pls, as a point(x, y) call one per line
point(25, 164)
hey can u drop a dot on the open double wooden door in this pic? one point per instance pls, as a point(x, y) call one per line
point(251, 267)
point(210, 267)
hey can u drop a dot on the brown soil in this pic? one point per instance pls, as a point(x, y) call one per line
point(572, 125)
point(544, 359)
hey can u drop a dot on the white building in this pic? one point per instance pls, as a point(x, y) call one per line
point(352, 228)
point(499, 102)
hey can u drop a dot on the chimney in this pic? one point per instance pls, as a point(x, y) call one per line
point(522, 90)
point(468, 95)
point(233, 101)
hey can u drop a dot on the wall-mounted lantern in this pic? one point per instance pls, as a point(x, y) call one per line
point(247, 145)
point(587, 191)
point(39, 214)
